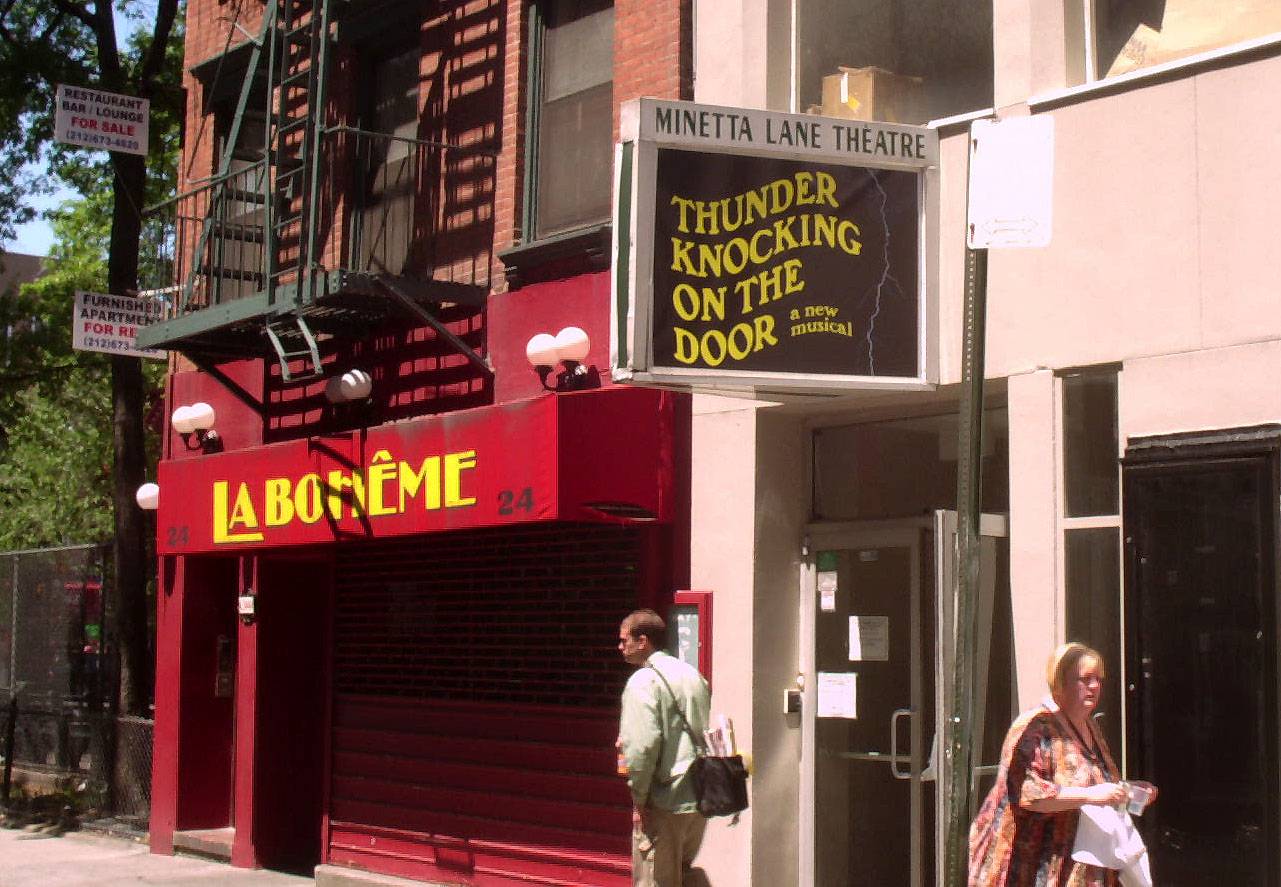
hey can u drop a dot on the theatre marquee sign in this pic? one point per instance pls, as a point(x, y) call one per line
point(764, 252)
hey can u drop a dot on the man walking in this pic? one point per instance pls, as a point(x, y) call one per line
point(657, 750)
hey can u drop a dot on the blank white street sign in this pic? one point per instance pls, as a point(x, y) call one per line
point(1011, 183)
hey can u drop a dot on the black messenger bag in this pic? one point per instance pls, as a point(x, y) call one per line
point(720, 781)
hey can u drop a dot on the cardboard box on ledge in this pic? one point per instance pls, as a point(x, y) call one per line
point(873, 94)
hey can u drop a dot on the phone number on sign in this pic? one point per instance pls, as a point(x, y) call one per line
point(108, 344)
point(100, 141)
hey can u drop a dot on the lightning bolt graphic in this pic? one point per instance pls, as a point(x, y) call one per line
point(887, 283)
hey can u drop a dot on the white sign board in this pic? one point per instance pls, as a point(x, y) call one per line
point(1011, 183)
point(837, 694)
point(869, 638)
point(110, 324)
point(103, 120)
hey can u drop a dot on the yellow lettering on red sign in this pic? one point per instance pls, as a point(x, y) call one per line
point(242, 515)
point(386, 487)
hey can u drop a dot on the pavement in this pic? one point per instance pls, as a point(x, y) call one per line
point(30, 859)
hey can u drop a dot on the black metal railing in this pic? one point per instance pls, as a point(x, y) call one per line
point(388, 204)
point(210, 242)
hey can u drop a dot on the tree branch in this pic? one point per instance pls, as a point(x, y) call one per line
point(76, 11)
point(104, 27)
point(166, 12)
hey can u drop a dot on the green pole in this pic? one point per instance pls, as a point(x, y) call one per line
point(969, 480)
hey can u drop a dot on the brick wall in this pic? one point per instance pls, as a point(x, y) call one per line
point(653, 56)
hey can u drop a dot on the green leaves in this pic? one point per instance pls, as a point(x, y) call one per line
point(55, 403)
point(55, 473)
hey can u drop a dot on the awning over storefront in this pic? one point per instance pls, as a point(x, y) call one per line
point(602, 455)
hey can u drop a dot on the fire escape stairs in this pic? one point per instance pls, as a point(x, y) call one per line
point(299, 303)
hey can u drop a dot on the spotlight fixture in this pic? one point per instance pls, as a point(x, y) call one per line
point(351, 386)
point(569, 348)
point(195, 424)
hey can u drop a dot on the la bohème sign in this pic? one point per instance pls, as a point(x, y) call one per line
point(759, 251)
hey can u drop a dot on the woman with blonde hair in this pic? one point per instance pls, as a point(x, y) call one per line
point(1054, 762)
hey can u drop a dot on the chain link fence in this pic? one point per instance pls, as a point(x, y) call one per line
point(59, 671)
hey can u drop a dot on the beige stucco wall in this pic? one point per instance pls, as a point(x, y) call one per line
point(1162, 262)
point(749, 511)
point(1201, 390)
point(782, 505)
point(1037, 606)
point(722, 560)
point(1164, 228)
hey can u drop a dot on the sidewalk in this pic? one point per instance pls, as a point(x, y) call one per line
point(34, 860)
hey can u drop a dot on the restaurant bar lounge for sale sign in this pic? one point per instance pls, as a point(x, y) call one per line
point(764, 253)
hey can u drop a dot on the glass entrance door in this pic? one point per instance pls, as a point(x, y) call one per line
point(875, 627)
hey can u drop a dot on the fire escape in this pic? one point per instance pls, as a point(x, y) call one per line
point(251, 254)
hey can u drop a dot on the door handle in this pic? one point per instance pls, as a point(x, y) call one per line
point(894, 758)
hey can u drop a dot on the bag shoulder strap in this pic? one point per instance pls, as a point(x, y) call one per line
point(699, 745)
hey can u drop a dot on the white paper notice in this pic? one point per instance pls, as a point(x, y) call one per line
point(869, 638)
point(837, 694)
point(827, 591)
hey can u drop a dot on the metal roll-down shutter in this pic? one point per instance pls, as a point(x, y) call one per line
point(476, 682)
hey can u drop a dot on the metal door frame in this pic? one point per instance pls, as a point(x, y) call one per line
point(909, 533)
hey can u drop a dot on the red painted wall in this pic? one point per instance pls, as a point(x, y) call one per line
point(516, 316)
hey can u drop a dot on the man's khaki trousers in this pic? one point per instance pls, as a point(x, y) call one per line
point(662, 858)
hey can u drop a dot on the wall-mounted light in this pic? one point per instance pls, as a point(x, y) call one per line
point(148, 496)
point(351, 386)
point(195, 424)
point(569, 348)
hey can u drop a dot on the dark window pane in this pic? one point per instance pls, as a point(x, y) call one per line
point(904, 467)
point(574, 160)
point(1093, 579)
point(575, 127)
point(1090, 471)
point(894, 61)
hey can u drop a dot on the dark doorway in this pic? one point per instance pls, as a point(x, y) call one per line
point(207, 715)
point(1201, 658)
point(293, 605)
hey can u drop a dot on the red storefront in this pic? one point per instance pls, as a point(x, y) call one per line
point(393, 648)
point(387, 621)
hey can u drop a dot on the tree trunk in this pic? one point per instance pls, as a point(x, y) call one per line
point(130, 553)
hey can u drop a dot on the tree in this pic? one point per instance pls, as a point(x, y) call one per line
point(44, 43)
point(55, 403)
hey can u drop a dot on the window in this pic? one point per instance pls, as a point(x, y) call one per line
point(1091, 522)
point(235, 255)
point(894, 62)
point(902, 467)
point(572, 122)
point(389, 161)
point(1128, 35)
point(1091, 478)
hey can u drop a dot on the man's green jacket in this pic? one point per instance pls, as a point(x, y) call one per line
point(655, 745)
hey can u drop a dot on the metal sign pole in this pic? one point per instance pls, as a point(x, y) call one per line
point(969, 479)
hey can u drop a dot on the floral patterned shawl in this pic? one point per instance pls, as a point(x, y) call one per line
point(1012, 846)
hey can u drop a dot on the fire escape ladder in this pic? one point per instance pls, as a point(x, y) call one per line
point(292, 339)
point(299, 68)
